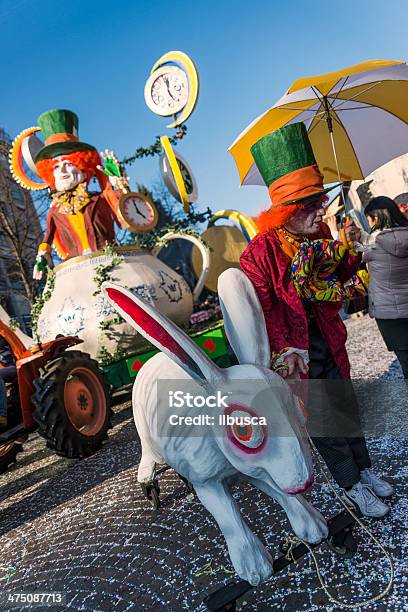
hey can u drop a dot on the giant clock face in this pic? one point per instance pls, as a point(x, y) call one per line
point(166, 91)
point(189, 180)
point(137, 212)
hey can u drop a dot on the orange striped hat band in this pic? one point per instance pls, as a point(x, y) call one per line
point(61, 137)
point(299, 184)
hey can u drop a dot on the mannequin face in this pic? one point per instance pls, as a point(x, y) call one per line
point(66, 175)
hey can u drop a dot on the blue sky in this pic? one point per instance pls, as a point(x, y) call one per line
point(93, 57)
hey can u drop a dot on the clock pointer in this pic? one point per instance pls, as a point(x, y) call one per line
point(137, 210)
point(166, 80)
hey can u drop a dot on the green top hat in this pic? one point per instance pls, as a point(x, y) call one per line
point(284, 152)
point(60, 130)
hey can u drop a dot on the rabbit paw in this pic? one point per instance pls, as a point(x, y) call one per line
point(250, 559)
point(307, 522)
point(146, 469)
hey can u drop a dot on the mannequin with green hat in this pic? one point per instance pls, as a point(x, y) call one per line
point(78, 221)
point(306, 334)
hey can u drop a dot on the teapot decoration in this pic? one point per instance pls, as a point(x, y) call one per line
point(77, 307)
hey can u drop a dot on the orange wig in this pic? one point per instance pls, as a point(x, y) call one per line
point(87, 161)
point(276, 216)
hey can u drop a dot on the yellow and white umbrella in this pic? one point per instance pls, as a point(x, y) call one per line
point(357, 120)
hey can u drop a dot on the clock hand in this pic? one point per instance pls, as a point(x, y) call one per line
point(166, 80)
point(138, 211)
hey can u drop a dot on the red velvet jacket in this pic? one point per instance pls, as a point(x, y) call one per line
point(267, 266)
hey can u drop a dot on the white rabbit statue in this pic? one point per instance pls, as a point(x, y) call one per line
point(278, 464)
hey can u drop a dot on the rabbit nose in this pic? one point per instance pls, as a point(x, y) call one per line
point(299, 488)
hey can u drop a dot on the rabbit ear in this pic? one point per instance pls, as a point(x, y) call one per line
point(161, 332)
point(244, 321)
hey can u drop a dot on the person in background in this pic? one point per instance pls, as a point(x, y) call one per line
point(402, 202)
point(386, 256)
point(8, 372)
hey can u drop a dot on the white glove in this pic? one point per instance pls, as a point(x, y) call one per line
point(111, 167)
point(42, 261)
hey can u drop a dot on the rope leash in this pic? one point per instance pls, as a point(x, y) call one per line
point(210, 569)
point(292, 540)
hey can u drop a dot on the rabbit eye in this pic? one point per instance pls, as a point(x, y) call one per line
point(246, 432)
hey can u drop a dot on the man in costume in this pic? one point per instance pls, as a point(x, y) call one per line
point(78, 221)
point(299, 272)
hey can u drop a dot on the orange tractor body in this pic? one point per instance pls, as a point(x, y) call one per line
point(28, 364)
point(61, 393)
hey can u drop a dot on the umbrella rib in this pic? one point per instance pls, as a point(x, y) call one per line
point(386, 109)
point(369, 105)
point(339, 121)
point(337, 94)
point(294, 108)
point(334, 108)
point(341, 110)
point(321, 112)
point(315, 90)
point(315, 123)
point(323, 116)
point(358, 94)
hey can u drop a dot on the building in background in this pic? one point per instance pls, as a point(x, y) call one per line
point(389, 180)
point(20, 234)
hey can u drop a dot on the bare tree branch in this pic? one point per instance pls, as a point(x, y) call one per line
point(20, 230)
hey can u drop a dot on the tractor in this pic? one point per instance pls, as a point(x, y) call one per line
point(66, 395)
point(61, 393)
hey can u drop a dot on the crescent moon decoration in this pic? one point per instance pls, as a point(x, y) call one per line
point(178, 178)
point(189, 180)
point(187, 64)
point(244, 223)
point(16, 162)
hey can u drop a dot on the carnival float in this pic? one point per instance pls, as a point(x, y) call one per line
point(79, 252)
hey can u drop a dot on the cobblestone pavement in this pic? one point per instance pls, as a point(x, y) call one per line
point(83, 527)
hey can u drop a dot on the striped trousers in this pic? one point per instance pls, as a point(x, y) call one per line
point(334, 421)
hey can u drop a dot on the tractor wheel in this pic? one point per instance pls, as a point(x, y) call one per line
point(72, 405)
point(8, 454)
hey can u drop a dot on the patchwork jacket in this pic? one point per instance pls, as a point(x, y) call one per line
point(268, 267)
